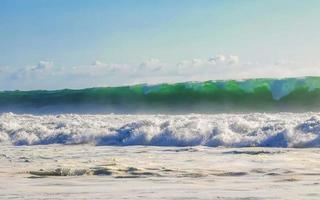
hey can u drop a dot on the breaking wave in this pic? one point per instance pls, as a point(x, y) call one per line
point(253, 95)
point(227, 130)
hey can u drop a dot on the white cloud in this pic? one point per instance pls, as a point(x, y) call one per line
point(217, 59)
point(221, 59)
point(151, 65)
point(45, 75)
point(233, 60)
point(42, 65)
point(97, 69)
point(284, 62)
point(207, 66)
point(42, 68)
point(98, 63)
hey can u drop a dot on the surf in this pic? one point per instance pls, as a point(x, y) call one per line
point(227, 130)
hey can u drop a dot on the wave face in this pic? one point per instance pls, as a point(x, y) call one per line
point(228, 130)
point(267, 95)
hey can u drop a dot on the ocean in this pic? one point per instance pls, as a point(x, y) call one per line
point(246, 139)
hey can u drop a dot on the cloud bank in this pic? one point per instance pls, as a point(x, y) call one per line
point(48, 75)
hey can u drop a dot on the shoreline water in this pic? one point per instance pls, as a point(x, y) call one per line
point(137, 172)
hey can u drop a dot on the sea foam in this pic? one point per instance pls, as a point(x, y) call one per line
point(227, 130)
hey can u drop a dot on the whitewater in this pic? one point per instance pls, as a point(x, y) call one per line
point(295, 130)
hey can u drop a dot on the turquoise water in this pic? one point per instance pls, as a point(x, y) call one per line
point(261, 95)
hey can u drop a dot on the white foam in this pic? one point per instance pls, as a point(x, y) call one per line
point(230, 130)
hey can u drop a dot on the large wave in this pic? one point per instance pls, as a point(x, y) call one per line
point(228, 130)
point(291, 94)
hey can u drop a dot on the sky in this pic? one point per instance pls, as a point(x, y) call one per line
point(54, 44)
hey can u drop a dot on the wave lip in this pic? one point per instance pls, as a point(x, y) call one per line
point(252, 95)
point(287, 130)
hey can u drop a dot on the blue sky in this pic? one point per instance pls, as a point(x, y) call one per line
point(51, 44)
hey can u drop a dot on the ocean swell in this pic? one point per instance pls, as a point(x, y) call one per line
point(253, 95)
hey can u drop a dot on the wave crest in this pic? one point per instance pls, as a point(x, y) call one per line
point(291, 94)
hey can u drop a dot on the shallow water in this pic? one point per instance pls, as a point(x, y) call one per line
point(135, 172)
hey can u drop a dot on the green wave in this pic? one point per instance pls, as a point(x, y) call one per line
point(261, 95)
